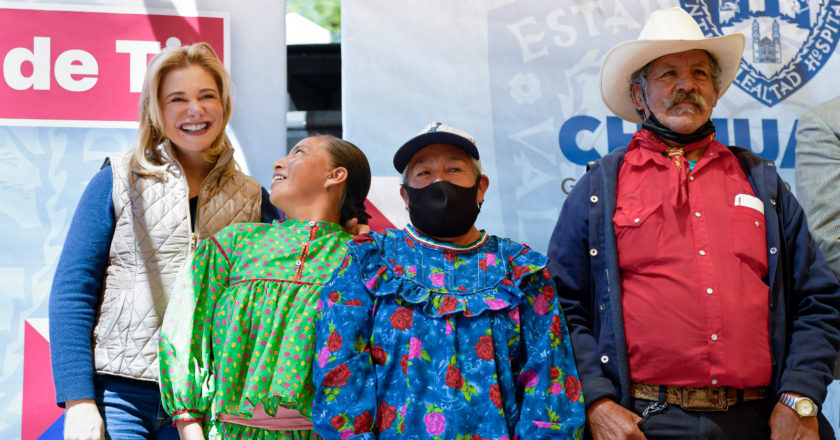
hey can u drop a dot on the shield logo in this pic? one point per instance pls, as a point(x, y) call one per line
point(788, 41)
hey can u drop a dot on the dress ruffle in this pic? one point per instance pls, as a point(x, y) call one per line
point(502, 289)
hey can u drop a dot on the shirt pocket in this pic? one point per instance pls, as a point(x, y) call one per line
point(638, 232)
point(749, 238)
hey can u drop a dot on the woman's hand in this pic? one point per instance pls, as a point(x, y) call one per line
point(353, 226)
point(82, 421)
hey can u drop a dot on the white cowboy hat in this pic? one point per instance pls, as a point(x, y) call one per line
point(667, 31)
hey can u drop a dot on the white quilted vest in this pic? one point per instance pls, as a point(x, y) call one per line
point(152, 241)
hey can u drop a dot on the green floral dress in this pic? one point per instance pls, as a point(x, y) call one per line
point(239, 329)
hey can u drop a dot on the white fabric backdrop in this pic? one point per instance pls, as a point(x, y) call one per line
point(522, 77)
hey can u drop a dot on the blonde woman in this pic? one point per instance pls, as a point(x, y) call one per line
point(134, 227)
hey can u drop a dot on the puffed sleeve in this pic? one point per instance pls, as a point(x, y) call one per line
point(552, 403)
point(186, 369)
point(345, 398)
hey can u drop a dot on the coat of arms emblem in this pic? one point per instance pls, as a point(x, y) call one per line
point(788, 41)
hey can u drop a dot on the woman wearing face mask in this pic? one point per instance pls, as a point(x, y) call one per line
point(441, 330)
point(134, 227)
point(237, 342)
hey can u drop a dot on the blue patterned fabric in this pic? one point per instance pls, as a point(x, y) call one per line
point(422, 339)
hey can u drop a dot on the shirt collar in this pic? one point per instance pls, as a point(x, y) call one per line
point(437, 244)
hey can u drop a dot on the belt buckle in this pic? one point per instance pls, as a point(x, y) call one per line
point(704, 399)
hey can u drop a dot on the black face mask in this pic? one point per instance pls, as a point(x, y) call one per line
point(442, 209)
point(652, 124)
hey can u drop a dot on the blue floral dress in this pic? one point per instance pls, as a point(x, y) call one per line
point(421, 339)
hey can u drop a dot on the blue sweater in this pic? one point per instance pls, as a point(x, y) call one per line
point(77, 286)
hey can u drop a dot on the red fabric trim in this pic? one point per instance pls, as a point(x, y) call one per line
point(221, 249)
point(183, 411)
point(276, 280)
point(452, 248)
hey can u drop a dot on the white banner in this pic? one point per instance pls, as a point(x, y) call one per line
point(522, 77)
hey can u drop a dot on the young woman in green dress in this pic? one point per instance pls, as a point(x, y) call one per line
point(237, 342)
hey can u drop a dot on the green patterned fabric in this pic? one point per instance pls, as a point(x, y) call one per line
point(239, 328)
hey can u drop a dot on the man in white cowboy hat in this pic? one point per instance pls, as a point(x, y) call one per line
point(698, 303)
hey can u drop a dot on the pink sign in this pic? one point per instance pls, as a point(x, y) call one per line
point(85, 68)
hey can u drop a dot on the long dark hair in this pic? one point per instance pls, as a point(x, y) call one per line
point(345, 154)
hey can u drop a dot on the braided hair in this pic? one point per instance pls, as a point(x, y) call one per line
point(345, 154)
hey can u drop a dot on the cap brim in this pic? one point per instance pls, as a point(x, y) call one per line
point(626, 58)
point(409, 149)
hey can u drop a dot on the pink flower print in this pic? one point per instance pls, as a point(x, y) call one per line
point(415, 347)
point(540, 305)
point(435, 423)
point(540, 424)
point(529, 378)
point(371, 283)
point(556, 388)
point(448, 327)
point(347, 433)
point(402, 411)
point(437, 279)
point(323, 356)
point(319, 306)
point(412, 270)
point(514, 315)
point(490, 259)
point(496, 304)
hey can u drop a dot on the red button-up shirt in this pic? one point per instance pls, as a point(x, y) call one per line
point(695, 305)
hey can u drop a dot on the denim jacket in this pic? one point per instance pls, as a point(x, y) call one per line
point(804, 294)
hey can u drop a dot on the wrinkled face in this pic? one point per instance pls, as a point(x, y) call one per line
point(192, 109)
point(681, 91)
point(301, 175)
point(442, 162)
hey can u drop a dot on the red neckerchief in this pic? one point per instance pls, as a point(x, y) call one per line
point(679, 172)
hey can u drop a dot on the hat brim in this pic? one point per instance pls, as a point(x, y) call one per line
point(626, 58)
point(409, 149)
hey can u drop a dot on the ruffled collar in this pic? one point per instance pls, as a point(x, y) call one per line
point(415, 272)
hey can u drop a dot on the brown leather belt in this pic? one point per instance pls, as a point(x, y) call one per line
point(699, 399)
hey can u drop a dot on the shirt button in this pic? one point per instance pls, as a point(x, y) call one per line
point(714, 381)
point(593, 252)
point(709, 291)
point(773, 202)
point(702, 252)
point(773, 251)
point(602, 307)
point(690, 177)
point(714, 337)
point(757, 224)
point(697, 214)
point(593, 199)
point(711, 154)
point(636, 220)
point(605, 359)
point(297, 263)
point(312, 223)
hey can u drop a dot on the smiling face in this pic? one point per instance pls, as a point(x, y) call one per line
point(681, 91)
point(301, 177)
point(192, 110)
